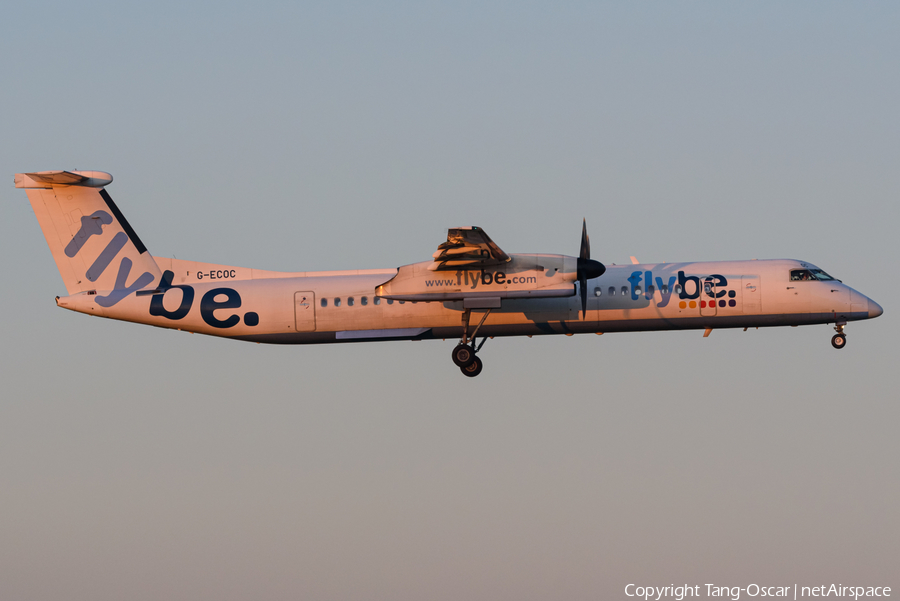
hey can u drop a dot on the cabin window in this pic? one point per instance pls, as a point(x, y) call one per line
point(612, 291)
point(665, 289)
point(350, 302)
point(364, 301)
point(402, 302)
point(637, 289)
point(390, 301)
point(624, 290)
point(337, 302)
point(678, 289)
point(377, 301)
point(324, 302)
point(651, 290)
point(597, 292)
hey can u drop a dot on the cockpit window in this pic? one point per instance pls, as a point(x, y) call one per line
point(821, 275)
point(803, 275)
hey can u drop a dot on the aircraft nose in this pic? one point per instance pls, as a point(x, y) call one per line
point(874, 309)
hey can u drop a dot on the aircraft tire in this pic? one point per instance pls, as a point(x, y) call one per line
point(838, 341)
point(463, 355)
point(473, 369)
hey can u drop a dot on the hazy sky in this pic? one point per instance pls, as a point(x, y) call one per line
point(140, 463)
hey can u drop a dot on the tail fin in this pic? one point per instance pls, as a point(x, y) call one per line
point(93, 245)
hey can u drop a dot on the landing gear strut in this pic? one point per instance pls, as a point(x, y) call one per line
point(464, 354)
point(839, 340)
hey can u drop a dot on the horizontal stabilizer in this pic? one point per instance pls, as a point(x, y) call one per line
point(48, 179)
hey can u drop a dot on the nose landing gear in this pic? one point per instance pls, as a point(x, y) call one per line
point(465, 353)
point(839, 340)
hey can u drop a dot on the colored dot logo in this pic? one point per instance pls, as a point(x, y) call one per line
point(711, 303)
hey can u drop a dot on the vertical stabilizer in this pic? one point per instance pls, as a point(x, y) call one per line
point(94, 247)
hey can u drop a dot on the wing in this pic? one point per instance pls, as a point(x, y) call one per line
point(467, 248)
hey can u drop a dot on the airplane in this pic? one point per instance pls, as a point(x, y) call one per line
point(469, 288)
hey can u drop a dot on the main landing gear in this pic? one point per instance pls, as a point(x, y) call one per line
point(465, 354)
point(839, 340)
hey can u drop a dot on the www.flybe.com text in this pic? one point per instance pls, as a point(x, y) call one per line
point(485, 278)
point(791, 591)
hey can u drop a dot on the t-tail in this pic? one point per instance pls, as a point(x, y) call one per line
point(96, 250)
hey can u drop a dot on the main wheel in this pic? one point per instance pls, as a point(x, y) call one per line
point(474, 368)
point(838, 341)
point(463, 355)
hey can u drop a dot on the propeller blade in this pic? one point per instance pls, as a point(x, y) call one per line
point(588, 269)
point(585, 242)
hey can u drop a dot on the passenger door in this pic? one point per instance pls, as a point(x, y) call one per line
point(751, 297)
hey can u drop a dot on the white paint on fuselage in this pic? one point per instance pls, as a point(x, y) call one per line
point(773, 300)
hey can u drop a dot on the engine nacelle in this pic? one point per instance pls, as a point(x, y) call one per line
point(524, 276)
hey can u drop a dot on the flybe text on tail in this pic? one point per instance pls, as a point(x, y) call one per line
point(94, 246)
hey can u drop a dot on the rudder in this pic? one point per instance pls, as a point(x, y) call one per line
point(94, 246)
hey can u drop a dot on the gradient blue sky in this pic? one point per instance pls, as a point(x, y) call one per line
point(145, 464)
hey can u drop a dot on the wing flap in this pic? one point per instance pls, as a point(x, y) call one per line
point(468, 247)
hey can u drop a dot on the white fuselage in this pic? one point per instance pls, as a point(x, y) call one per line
point(309, 308)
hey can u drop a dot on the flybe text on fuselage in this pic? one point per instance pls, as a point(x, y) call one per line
point(212, 300)
point(689, 287)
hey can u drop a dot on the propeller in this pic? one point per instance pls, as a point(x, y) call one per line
point(588, 269)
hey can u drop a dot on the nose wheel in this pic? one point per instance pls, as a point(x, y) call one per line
point(839, 340)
